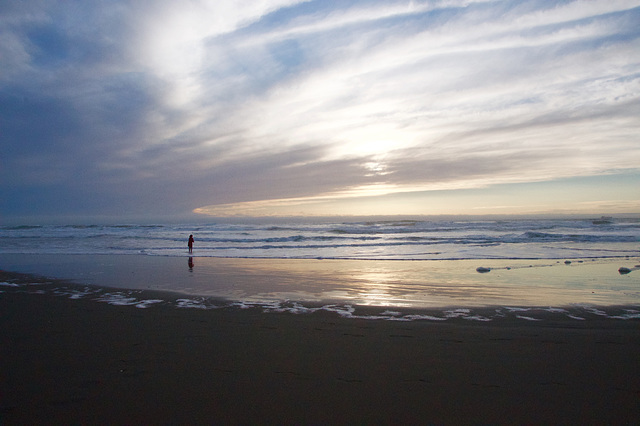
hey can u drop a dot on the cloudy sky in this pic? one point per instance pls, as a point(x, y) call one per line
point(158, 108)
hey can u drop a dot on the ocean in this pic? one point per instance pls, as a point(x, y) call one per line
point(406, 269)
point(376, 240)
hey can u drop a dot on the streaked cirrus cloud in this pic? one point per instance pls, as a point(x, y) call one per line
point(310, 107)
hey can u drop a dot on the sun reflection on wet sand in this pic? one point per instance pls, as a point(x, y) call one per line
point(415, 284)
point(425, 283)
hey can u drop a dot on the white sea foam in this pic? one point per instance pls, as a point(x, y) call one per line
point(191, 303)
point(122, 299)
point(575, 317)
point(596, 311)
point(297, 308)
point(555, 310)
point(457, 313)
point(630, 314)
point(516, 309)
point(148, 302)
point(75, 293)
point(478, 318)
point(524, 317)
point(424, 317)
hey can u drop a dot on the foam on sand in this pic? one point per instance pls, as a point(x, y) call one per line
point(145, 299)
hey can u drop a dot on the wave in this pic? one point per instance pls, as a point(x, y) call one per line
point(380, 239)
point(20, 227)
point(612, 238)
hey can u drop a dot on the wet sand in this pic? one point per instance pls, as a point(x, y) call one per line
point(68, 361)
point(401, 284)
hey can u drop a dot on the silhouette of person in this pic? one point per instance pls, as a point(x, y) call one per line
point(190, 243)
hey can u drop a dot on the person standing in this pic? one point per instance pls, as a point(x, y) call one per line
point(190, 243)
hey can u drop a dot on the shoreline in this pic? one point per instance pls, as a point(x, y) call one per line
point(74, 360)
point(404, 286)
point(21, 283)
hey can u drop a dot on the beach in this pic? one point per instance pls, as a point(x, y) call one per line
point(292, 212)
point(401, 285)
point(69, 359)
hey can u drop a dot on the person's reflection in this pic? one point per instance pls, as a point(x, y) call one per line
point(190, 263)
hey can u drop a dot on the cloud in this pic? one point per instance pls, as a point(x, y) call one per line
point(170, 106)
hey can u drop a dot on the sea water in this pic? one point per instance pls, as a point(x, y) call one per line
point(379, 240)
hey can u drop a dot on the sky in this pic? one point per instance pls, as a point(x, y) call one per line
point(228, 108)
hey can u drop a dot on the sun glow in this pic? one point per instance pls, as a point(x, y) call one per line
point(373, 141)
point(320, 205)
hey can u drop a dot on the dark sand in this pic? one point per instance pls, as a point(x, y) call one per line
point(65, 361)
